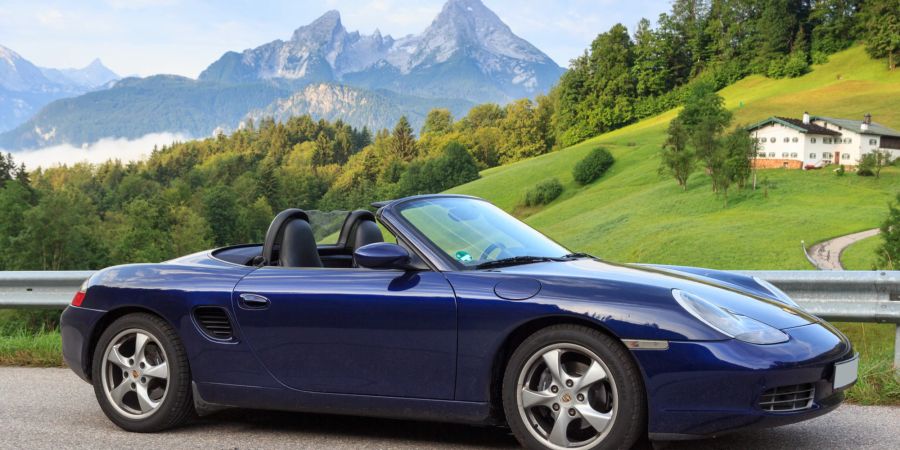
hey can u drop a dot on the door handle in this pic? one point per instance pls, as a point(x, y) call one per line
point(253, 301)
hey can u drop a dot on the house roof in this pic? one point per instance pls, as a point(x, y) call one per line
point(796, 124)
point(855, 126)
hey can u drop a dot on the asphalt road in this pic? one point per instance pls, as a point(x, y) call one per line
point(52, 408)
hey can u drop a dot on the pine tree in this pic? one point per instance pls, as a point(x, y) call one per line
point(834, 24)
point(403, 142)
point(611, 88)
point(881, 25)
point(649, 70)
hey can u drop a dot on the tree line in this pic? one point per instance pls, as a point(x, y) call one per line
point(225, 189)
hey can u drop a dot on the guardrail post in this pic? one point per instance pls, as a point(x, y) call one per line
point(897, 350)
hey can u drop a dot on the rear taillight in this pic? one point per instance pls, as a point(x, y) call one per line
point(79, 296)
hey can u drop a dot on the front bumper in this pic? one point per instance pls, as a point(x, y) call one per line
point(701, 389)
point(76, 326)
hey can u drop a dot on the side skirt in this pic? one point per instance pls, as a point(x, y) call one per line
point(212, 397)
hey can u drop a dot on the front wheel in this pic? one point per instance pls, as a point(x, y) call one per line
point(572, 387)
point(141, 376)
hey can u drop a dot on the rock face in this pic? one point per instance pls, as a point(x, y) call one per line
point(467, 52)
point(359, 107)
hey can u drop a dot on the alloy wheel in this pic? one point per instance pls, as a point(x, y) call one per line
point(567, 397)
point(135, 373)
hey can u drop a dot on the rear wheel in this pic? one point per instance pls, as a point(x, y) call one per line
point(569, 387)
point(141, 375)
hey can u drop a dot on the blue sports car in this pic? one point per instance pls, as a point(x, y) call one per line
point(451, 310)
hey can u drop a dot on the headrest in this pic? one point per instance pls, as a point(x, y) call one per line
point(276, 232)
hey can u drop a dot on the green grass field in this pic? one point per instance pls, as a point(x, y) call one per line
point(862, 255)
point(633, 214)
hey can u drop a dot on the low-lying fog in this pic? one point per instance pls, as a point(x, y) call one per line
point(108, 148)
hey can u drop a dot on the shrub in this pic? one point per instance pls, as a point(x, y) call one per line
point(819, 57)
point(776, 68)
point(543, 193)
point(593, 166)
point(796, 65)
point(840, 171)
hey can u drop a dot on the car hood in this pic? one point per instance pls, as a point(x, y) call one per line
point(736, 293)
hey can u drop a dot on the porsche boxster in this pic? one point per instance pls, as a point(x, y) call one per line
point(446, 308)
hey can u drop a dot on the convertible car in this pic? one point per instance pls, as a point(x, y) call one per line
point(451, 310)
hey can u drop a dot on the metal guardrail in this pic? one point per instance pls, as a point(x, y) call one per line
point(848, 296)
point(40, 289)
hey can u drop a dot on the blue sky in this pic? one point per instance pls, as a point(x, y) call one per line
point(144, 37)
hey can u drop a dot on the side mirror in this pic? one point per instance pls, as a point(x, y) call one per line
point(382, 255)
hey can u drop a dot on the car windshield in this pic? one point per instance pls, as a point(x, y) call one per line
point(476, 233)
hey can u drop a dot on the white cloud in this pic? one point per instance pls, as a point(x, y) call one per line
point(50, 17)
point(105, 149)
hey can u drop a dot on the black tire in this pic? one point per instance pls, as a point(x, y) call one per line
point(177, 405)
point(630, 417)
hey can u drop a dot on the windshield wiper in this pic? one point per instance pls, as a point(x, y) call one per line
point(577, 255)
point(516, 260)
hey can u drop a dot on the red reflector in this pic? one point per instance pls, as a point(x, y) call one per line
point(79, 297)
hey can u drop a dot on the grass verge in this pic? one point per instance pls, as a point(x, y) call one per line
point(24, 348)
point(877, 385)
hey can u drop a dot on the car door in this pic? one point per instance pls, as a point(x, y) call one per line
point(352, 331)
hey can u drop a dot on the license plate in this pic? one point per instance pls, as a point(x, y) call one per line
point(845, 372)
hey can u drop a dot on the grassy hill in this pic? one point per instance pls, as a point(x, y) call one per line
point(633, 214)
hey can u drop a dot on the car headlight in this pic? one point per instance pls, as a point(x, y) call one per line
point(728, 323)
point(778, 293)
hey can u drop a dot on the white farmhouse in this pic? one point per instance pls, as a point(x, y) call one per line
point(817, 141)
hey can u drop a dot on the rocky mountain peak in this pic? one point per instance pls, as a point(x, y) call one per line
point(323, 29)
point(466, 52)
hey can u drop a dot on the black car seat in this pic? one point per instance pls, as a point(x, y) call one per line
point(298, 246)
point(290, 241)
point(359, 229)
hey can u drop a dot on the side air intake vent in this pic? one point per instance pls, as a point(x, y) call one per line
point(214, 321)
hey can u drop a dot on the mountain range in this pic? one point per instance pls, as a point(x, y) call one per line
point(25, 87)
point(467, 55)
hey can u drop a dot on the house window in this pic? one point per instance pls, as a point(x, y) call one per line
point(787, 139)
point(771, 154)
point(827, 155)
point(812, 156)
point(812, 140)
point(794, 155)
point(845, 156)
point(772, 140)
point(785, 154)
point(847, 140)
point(826, 141)
point(793, 139)
point(761, 154)
point(873, 141)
